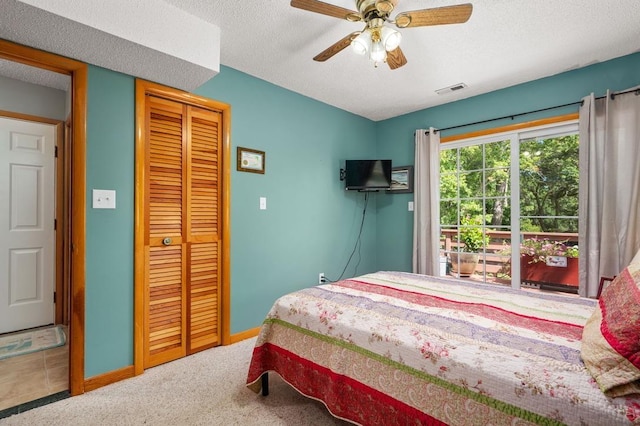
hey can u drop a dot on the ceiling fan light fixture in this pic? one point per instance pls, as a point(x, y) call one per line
point(362, 43)
point(375, 41)
point(390, 38)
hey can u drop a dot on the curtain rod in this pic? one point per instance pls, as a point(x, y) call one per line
point(512, 116)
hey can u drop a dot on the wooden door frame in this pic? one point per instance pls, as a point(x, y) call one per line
point(78, 73)
point(144, 88)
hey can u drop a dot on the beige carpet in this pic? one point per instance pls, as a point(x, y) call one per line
point(203, 389)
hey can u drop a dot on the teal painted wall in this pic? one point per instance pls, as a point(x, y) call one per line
point(310, 224)
point(109, 241)
point(396, 141)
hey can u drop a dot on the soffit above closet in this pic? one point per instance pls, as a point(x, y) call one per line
point(144, 38)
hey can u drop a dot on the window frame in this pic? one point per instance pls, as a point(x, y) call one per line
point(547, 128)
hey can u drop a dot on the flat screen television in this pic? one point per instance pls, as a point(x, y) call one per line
point(368, 175)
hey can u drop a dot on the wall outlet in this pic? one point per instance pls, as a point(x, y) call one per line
point(321, 279)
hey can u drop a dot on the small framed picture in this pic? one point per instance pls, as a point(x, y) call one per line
point(250, 160)
point(401, 180)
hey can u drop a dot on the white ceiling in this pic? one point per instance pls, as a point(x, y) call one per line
point(505, 42)
point(34, 75)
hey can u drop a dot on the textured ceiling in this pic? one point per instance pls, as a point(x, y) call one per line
point(505, 42)
point(150, 39)
point(34, 75)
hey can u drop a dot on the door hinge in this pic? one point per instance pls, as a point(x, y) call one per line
point(55, 224)
point(55, 152)
point(54, 297)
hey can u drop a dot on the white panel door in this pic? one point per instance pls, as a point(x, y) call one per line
point(27, 235)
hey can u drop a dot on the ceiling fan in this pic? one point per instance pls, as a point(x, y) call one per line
point(380, 42)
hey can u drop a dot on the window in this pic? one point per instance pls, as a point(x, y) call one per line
point(519, 186)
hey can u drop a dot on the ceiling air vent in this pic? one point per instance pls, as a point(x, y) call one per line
point(450, 89)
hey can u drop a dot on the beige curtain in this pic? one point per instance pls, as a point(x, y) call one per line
point(426, 215)
point(609, 230)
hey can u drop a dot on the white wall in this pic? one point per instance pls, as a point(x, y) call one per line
point(26, 98)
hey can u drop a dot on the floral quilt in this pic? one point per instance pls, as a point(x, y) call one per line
point(398, 348)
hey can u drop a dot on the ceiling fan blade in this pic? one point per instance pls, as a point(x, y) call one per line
point(326, 9)
point(396, 59)
point(336, 47)
point(436, 16)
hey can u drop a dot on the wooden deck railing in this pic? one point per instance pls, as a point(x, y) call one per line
point(496, 258)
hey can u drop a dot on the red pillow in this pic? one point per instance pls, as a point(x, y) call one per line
point(610, 339)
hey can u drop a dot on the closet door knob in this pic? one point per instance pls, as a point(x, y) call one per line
point(166, 241)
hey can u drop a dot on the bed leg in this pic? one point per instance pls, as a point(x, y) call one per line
point(265, 384)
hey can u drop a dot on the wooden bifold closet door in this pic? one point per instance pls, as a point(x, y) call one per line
point(183, 230)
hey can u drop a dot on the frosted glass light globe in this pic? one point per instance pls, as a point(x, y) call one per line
point(378, 53)
point(362, 43)
point(391, 38)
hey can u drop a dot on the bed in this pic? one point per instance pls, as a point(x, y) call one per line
point(399, 348)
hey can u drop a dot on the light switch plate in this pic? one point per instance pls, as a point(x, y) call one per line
point(410, 207)
point(104, 199)
point(263, 203)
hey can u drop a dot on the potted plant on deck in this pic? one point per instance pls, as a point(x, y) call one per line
point(543, 261)
point(474, 240)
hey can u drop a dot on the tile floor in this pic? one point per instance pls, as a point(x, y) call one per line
point(32, 376)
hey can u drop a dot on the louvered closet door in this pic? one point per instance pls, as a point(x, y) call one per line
point(203, 229)
point(182, 211)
